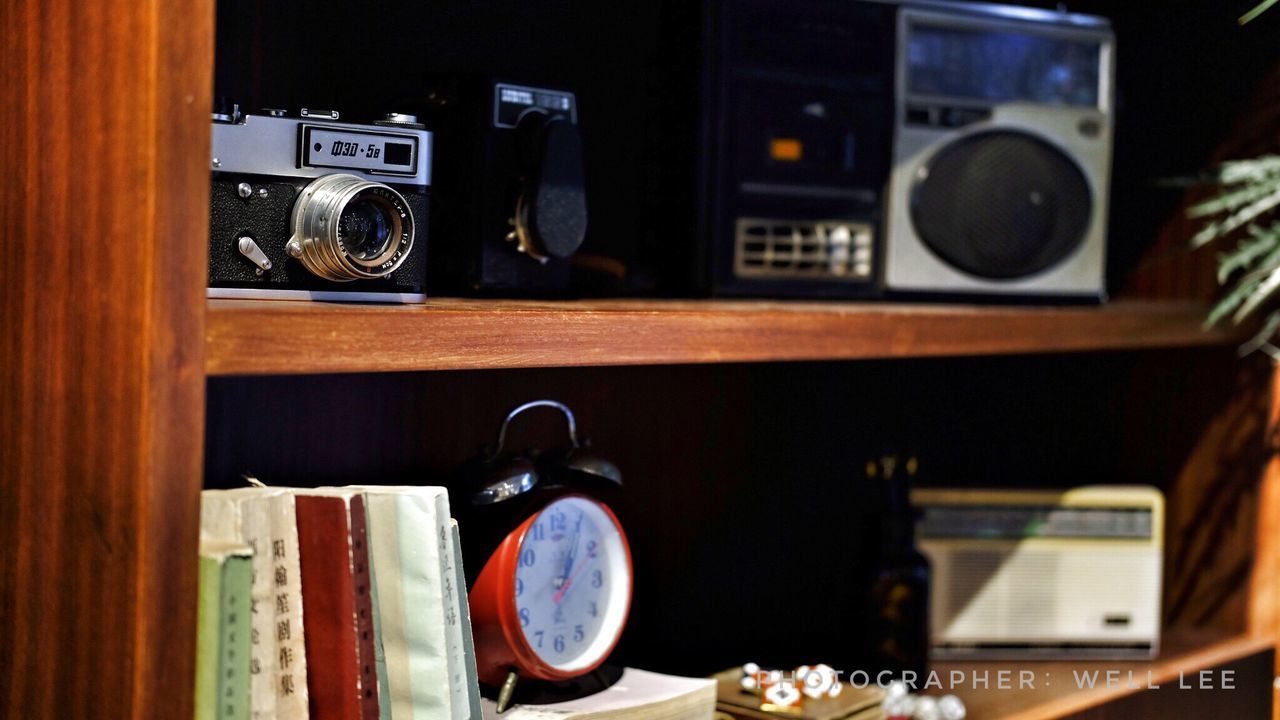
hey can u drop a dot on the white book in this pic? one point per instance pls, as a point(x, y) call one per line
point(638, 695)
point(264, 519)
point(418, 604)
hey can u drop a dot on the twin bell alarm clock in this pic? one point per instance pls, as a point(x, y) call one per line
point(548, 565)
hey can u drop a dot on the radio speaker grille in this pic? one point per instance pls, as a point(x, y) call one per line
point(1001, 205)
point(813, 250)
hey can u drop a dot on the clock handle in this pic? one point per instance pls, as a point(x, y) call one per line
point(568, 414)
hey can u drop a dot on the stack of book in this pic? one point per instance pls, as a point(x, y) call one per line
point(342, 603)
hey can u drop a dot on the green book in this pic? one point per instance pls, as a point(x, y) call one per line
point(223, 631)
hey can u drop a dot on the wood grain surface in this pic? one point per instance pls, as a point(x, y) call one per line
point(247, 337)
point(104, 145)
point(1264, 586)
point(1058, 695)
point(1212, 504)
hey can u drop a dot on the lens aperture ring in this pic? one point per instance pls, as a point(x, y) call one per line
point(318, 228)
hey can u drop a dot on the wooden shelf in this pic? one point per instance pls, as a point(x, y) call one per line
point(247, 337)
point(1057, 694)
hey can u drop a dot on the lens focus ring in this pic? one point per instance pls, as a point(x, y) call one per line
point(348, 228)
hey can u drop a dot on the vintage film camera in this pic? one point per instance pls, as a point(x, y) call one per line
point(307, 207)
point(512, 214)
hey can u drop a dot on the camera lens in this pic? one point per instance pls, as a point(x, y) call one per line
point(365, 227)
point(348, 228)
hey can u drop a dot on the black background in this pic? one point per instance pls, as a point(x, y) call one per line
point(752, 523)
point(1185, 69)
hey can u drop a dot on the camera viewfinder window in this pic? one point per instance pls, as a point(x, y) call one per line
point(398, 153)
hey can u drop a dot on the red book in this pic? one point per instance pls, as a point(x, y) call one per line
point(337, 606)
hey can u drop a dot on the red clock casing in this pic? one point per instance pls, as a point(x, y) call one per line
point(500, 644)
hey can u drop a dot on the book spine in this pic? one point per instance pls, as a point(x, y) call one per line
point(466, 689)
point(393, 662)
point(255, 530)
point(328, 597)
point(265, 521)
point(366, 655)
point(208, 627)
point(455, 616)
point(234, 643)
point(383, 625)
point(406, 569)
point(286, 630)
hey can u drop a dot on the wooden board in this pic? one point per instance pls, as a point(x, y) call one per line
point(105, 150)
point(1264, 583)
point(248, 337)
point(1058, 695)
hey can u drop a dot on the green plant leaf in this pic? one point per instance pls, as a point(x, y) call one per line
point(1231, 301)
point(1237, 219)
point(1263, 292)
point(1235, 199)
point(1234, 172)
point(1263, 337)
point(1255, 12)
point(1263, 244)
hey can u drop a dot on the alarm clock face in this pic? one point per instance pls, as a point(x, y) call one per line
point(573, 584)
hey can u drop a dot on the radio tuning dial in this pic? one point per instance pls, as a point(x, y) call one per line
point(550, 218)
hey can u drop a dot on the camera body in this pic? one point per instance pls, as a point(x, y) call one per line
point(308, 207)
point(514, 215)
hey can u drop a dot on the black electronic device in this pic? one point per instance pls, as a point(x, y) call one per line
point(859, 148)
point(798, 126)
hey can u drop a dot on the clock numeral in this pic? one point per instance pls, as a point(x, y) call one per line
point(592, 549)
point(536, 533)
point(519, 587)
point(539, 636)
point(578, 633)
point(559, 522)
point(559, 643)
point(524, 617)
point(597, 578)
point(594, 612)
point(528, 557)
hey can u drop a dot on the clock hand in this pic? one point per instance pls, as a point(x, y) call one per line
point(568, 583)
point(573, 555)
point(573, 552)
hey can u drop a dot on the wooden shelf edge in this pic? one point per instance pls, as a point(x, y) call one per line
point(263, 337)
point(1195, 654)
